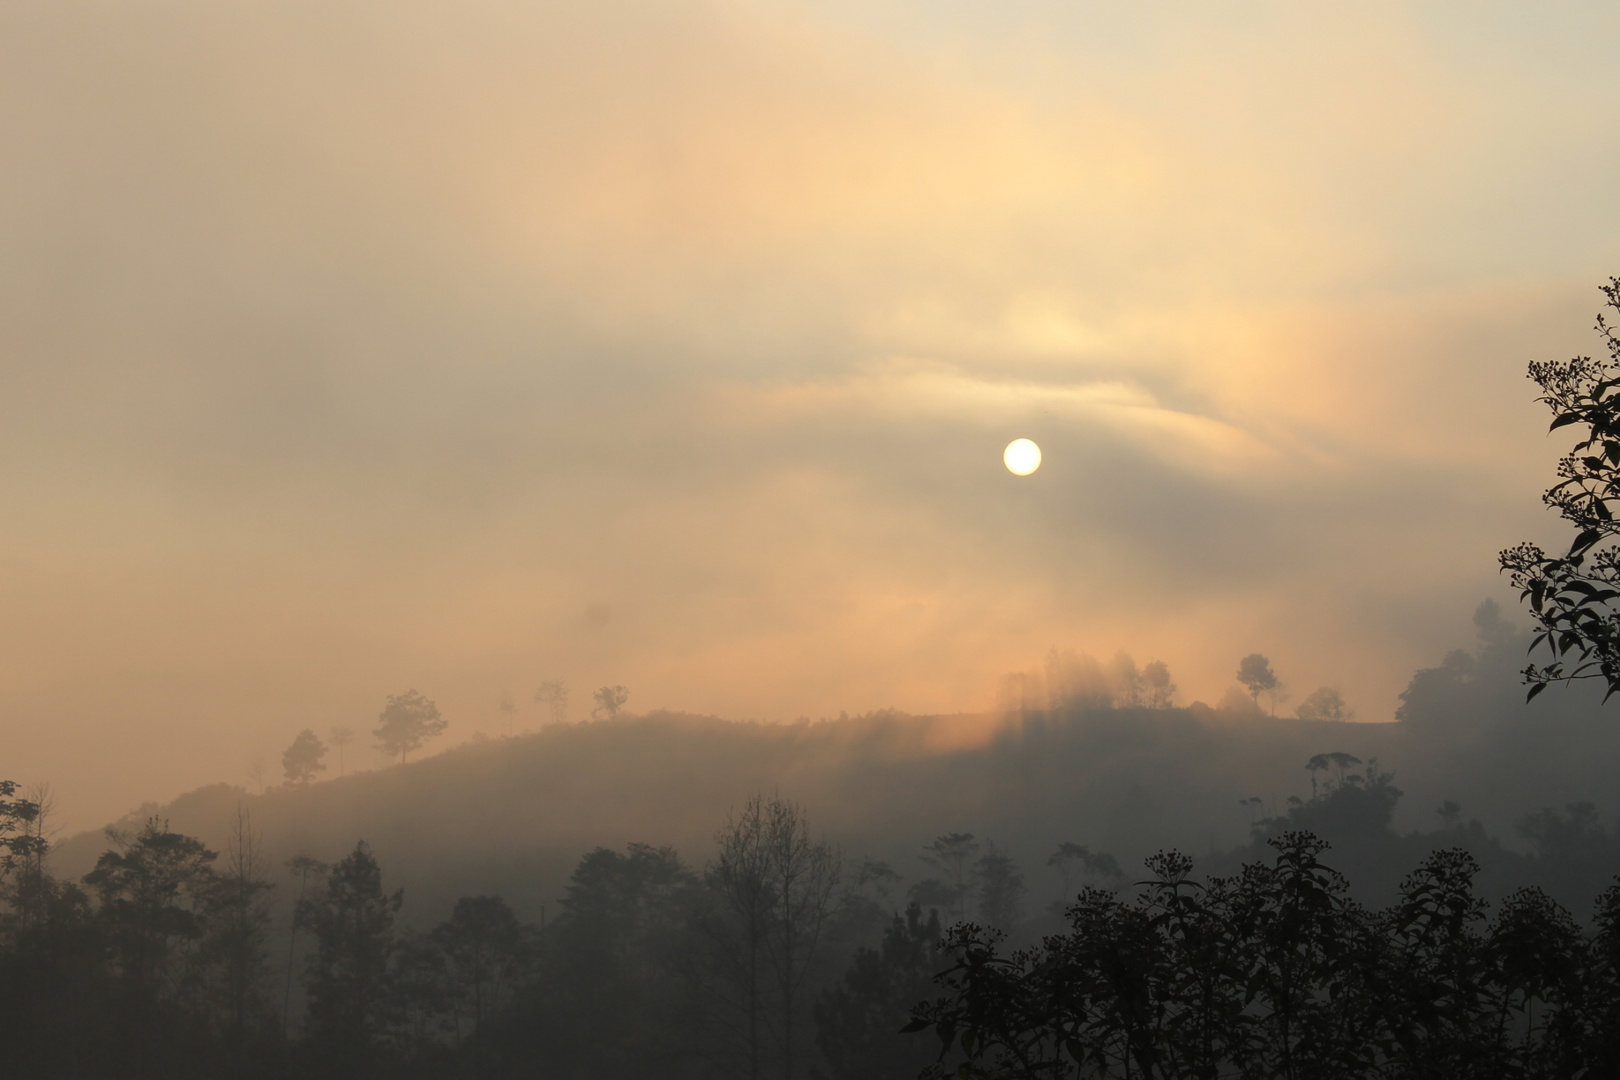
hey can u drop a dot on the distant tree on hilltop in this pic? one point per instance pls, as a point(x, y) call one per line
point(1158, 688)
point(609, 700)
point(407, 721)
point(341, 737)
point(1254, 672)
point(554, 696)
point(1323, 703)
point(508, 709)
point(302, 760)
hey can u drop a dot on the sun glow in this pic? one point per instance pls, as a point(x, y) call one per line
point(1022, 457)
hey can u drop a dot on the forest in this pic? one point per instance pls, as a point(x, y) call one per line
point(1033, 931)
point(778, 958)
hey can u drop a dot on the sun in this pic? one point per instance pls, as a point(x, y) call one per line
point(1022, 457)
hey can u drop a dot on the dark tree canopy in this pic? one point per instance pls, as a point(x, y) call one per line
point(1572, 596)
point(1277, 974)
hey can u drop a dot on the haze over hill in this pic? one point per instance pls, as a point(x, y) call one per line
point(513, 815)
point(348, 346)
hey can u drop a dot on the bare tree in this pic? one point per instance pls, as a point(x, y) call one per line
point(954, 853)
point(508, 709)
point(741, 877)
point(303, 866)
point(553, 695)
point(776, 886)
point(341, 737)
point(240, 930)
point(40, 831)
point(256, 771)
point(803, 874)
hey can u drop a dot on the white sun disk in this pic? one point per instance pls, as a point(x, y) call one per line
point(1022, 457)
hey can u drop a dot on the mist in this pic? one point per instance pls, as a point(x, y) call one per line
point(620, 391)
point(353, 347)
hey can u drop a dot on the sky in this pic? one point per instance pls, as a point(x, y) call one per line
point(350, 347)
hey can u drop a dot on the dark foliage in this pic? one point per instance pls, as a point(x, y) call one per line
point(1276, 973)
point(855, 1020)
point(159, 964)
point(1573, 596)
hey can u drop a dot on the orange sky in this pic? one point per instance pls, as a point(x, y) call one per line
point(349, 347)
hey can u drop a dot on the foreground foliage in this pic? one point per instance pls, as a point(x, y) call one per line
point(1276, 973)
point(1574, 596)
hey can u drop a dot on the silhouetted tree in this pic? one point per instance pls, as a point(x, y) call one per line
point(554, 696)
point(1071, 860)
point(486, 952)
point(1254, 672)
point(1275, 974)
point(237, 939)
point(1339, 764)
point(341, 736)
point(740, 875)
point(351, 1009)
point(508, 709)
point(1158, 689)
point(934, 893)
point(154, 889)
point(62, 1013)
point(1573, 596)
point(303, 867)
point(407, 721)
point(775, 887)
point(302, 760)
point(1323, 703)
point(422, 1005)
point(257, 771)
point(953, 854)
point(802, 874)
point(609, 700)
point(874, 877)
point(18, 842)
point(613, 996)
point(1126, 682)
point(857, 1020)
point(1000, 888)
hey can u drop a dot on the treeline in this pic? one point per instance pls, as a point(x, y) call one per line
point(1276, 972)
point(779, 959)
point(158, 963)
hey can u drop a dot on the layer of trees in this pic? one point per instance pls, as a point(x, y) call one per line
point(161, 962)
point(1276, 972)
point(779, 959)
